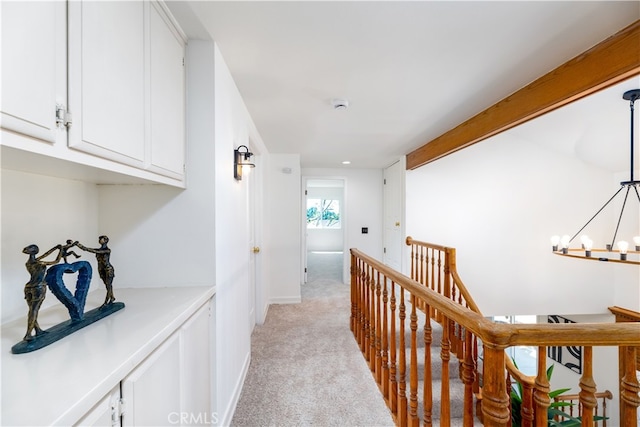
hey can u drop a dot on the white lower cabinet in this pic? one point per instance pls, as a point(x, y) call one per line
point(170, 387)
point(150, 364)
point(105, 413)
point(151, 393)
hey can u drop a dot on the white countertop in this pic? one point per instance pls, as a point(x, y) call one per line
point(58, 384)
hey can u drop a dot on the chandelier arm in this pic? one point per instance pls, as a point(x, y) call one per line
point(596, 214)
point(637, 194)
point(624, 203)
point(631, 108)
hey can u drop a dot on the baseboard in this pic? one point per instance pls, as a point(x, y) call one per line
point(263, 318)
point(286, 300)
point(235, 397)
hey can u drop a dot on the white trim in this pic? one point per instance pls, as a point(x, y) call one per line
point(285, 300)
point(235, 396)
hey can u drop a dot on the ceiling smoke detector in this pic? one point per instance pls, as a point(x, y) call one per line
point(340, 104)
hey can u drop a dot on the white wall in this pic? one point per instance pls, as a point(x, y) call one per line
point(497, 203)
point(233, 127)
point(45, 211)
point(282, 251)
point(362, 208)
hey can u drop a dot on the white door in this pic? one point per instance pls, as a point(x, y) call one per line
point(253, 248)
point(393, 216)
point(34, 75)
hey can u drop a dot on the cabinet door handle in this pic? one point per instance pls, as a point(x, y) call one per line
point(256, 249)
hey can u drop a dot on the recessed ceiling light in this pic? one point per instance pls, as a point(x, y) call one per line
point(346, 162)
point(340, 104)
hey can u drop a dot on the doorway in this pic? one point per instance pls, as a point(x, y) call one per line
point(324, 228)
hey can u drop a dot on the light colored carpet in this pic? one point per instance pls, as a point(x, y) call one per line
point(306, 368)
point(325, 267)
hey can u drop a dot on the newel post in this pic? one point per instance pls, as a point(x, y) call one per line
point(495, 400)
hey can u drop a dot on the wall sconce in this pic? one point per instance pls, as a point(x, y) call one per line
point(241, 158)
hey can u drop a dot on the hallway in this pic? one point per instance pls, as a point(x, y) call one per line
point(306, 368)
point(324, 266)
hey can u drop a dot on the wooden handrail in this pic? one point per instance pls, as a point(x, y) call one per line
point(378, 290)
point(502, 335)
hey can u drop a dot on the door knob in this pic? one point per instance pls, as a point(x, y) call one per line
point(256, 249)
point(397, 224)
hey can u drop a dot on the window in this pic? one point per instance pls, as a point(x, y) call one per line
point(323, 213)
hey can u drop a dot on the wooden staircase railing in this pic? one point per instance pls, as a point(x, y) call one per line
point(576, 408)
point(384, 303)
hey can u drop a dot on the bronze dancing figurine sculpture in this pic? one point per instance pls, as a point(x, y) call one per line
point(50, 274)
point(105, 269)
point(35, 290)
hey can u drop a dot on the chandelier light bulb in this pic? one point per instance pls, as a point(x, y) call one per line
point(555, 240)
point(623, 247)
point(583, 239)
point(588, 245)
point(564, 241)
point(636, 241)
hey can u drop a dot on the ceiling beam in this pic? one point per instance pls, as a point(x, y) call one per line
point(609, 62)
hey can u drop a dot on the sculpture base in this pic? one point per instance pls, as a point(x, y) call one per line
point(65, 328)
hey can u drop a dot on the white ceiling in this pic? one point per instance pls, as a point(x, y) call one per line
point(410, 70)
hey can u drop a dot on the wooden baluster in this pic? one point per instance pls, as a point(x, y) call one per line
point(495, 401)
point(365, 312)
point(385, 340)
point(604, 408)
point(629, 388)
point(413, 264)
point(438, 284)
point(445, 356)
point(352, 271)
point(414, 421)
point(393, 392)
point(476, 385)
point(420, 276)
point(427, 393)
point(526, 410)
point(588, 388)
point(402, 380)
point(372, 320)
point(378, 329)
point(456, 332)
point(434, 278)
point(541, 394)
point(468, 378)
point(360, 313)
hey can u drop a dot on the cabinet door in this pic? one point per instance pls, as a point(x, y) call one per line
point(105, 413)
point(167, 87)
point(196, 339)
point(33, 68)
point(107, 79)
point(152, 391)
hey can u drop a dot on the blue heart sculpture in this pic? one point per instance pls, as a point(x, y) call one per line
point(74, 303)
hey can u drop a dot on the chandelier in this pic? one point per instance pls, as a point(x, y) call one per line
point(615, 251)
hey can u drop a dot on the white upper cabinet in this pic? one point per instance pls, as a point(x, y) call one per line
point(167, 93)
point(93, 90)
point(107, 79)
point(33, 68)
